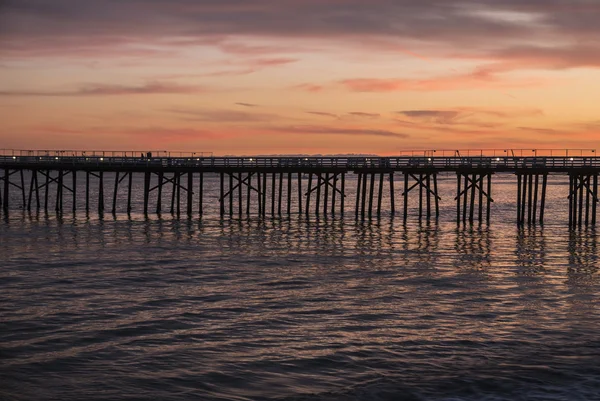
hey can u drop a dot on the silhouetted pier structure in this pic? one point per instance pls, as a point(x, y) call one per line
point(317, 183)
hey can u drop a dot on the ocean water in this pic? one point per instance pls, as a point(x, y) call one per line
point(119, 307)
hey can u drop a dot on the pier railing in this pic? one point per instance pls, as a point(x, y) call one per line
point(349, 163)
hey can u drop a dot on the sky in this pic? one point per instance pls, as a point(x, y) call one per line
point(299, 76)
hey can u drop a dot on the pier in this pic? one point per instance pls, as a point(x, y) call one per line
point(266, 185)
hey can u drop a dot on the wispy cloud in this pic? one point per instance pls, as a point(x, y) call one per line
point(151, 88)
point(364, 114)
point(323, 114)
point(221, 116)
point(478, 79)
point(309, 87)
point(325, 130)
point(246, 104)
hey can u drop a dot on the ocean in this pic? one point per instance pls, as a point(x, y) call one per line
point(166, 307)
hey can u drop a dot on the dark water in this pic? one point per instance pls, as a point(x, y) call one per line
point(126, 308)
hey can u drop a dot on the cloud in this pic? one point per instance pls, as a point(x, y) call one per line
point(323, 114)
point(324, 130)
point(309, 87)
point(152, 88)
point(545, 131)
point(437, 116)
point(246, 104)
point(510, 30)
point(364, 114)
point(463, 118)
point(482, 78)
point(221, 116)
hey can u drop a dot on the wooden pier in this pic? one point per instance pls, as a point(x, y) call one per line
point(278, 186)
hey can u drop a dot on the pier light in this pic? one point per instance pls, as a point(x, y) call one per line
point(429, 159)
point(102, 159)
point(250, 159)
point(497, 159)
point(571, 159)
point(14, 157)
point(56, 157)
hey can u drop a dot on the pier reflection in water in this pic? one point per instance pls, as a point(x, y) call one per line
point(230, 309)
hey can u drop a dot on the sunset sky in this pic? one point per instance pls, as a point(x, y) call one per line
point(299, 76)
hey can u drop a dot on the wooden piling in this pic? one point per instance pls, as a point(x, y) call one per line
point(472, 206)
point(380, 194)
point(535, 197)
point(489, 198)
point(23, 189)
point(326, 197)
point(480, 190)
point(466, 192)
point(74, 189)
point(248, 197)
point(174, 190)
point(129, 185)
point(30, 197)
point(364, 196)
point(115, 191)
point(392, 195)
point(529, 197)
point(428, 190)
point(543, 197)
point(437, 198)
point(458, 193)
point(318, 199)
point(334, 192)
point(221, 194)
point(299, 193)
point(58, 191)
point(159, 188)
point(178, 194)
point(273, 189)
point(308, 193)
point(289, 194)
point(523, 199)
point(240, 190)
point(405, 195)
point(579, 220)
point(343, 194)
point(87, 191)
point(594, 198)
point(280, 193)
point(570, 200)
point(519, 177)
point(358, 188)
point(420, 196)
point(264, 195)
point(190, 192)
point(146, 191)
point(371, 191)
point(101, 192)
point(201, 194)
point(7, 190)
point(230, 194)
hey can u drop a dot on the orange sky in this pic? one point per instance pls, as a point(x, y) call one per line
point(292, 76)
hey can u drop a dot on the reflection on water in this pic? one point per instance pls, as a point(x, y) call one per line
point(473, 247)
point(583, 255)
point(531, 250)
point(330, 309)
